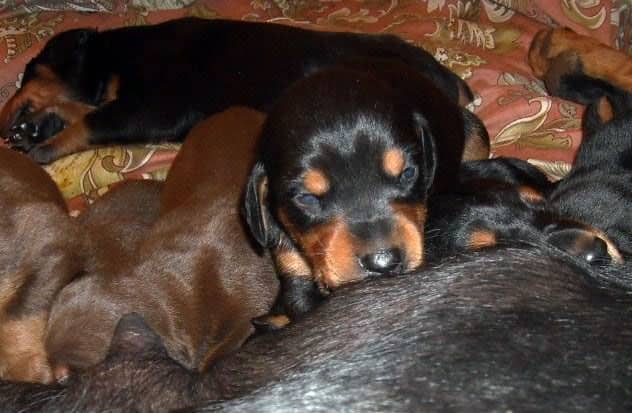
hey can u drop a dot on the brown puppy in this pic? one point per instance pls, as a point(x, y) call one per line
point(196, 279)
point(40, 252)
point(117, 223)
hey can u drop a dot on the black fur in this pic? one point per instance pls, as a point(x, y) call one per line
point(514, 329)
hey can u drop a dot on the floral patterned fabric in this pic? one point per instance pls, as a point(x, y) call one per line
point(484, 41)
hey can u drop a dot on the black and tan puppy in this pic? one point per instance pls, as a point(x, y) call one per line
point(195, 277)
point(153, 83)
point(40, 252)
point(504, 202)
point(348, 157)
point(598, 189)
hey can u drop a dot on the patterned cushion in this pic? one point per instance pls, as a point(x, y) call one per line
point(484, 41)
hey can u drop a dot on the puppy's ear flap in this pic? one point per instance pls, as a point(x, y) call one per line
point(255, 209)
point(585, 244)
point(429, 149)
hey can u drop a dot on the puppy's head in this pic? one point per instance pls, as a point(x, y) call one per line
point(487, 214)
point(345, 167)
point(67, 69)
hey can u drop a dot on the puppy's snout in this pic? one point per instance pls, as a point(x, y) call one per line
point(383, 261)
point(25, 128)
point(597, 252)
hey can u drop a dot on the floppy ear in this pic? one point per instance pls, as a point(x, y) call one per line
point(429, 149)
point(583, 244)
point(255, 208)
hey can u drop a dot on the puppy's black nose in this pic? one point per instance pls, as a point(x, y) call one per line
point(383, 261)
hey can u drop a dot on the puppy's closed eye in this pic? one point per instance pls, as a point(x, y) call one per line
point(408, 176)
point(306, 200)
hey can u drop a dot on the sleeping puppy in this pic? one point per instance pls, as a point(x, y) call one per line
point(347, 159)
point(40, 252)
point(195, 277)
point(504, 202)
point(153, 83)
point(599, 186)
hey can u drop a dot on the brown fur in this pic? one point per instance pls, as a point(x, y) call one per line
point(195, 279)
point(595, 59)
point(482, 239)
point(409, 218)
point(40, 251)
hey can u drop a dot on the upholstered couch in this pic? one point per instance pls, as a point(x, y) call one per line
point(484, 41)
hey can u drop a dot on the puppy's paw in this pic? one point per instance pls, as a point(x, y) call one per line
point(270, 322)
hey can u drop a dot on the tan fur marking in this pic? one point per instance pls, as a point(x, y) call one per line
point(393, 162)
point(22, 353)
point(482, 239)
point(111, 92)
point(279, 321)
point(530, 195)
point(73, 139)
point(537, 52)
point(330, 250)
point(316, 182)
point(43, 91)
point(292, 263)
point(604, 110)
point(612, 249)
point(408, 233)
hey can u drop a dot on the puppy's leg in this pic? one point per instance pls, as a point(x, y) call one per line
point(595, 59)
point(299, 292)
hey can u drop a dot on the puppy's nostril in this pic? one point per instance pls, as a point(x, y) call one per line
point(383, 261)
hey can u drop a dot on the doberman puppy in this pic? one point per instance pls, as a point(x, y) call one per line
point(506, 202)
point(348, 157)
point(486, 332)
point(196, 278)
point(598, 187)
point(51, 250)
point(41, 251)
point(153, 83)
